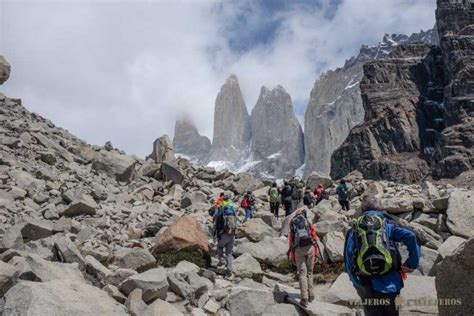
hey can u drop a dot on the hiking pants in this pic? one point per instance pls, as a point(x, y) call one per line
point(345, 205)
point(377, 303)
point(304, 264)
point(295, 204)
point(248, 214)
point(288, 207)
point(226, 242)
point(274, 208)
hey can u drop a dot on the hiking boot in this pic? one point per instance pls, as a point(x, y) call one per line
point(229, 276)
point(221, 263)
point(311, 298)
point(304, 302)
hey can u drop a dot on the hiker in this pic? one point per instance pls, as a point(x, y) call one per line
point(303, 252)
point(320, 193)
point(225, 227)
point(247, 204)
point(297, 193)
point(342, 192)
point(274, 198)
point(217, 204)
point(286, 200)
point(373, 260)
point(308, 198)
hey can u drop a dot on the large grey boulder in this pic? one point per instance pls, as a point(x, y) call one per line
point(334, 245)
point(256, 230)
point(7, 277)
point(38, 269)
point(153, 283)
point(281, 310)
point(342, 291)
point(231, 137)
point(4, 70)
point(271, 250)
point(68, 252)
point(114, 164)
point(279, 150)
point(453, 281)
point(162, 150)
point(83, 205)
point(135, 258)
point(60, 297)
point(187, 141)
point(172, 172)
point(450, 245)
point(316, 179)
point(37, 229)
point(246, 266)
point(460, 213)
point(161, 308)
point(419, 289)
point(249, 302)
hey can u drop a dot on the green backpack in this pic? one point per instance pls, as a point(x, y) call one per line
point(273, 195)
point(374, 254)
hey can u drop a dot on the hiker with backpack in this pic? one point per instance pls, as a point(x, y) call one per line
point(297, 192)
point(373, 260)
point(247, 204)
point(225, 228)
point(342, 192)
point(274, 199)
point(216, 205)
point(286, 199)
point(303, 252)
point(320, 193)
point(308, 198)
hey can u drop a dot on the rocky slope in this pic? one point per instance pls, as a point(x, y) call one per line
point(335, 104)
point(188, 142)
point(231, 136)
point(277, 137)
point(418, 109)
point(89, 230)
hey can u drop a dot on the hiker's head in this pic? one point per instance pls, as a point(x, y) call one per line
point(285, 183)
point(369, 203)
point(222, 195)
point(343, 181)
point(308, 188)
point(226, 198)
point(301, 211)
point(249, 192)
point(274, 184)
point(320, 186)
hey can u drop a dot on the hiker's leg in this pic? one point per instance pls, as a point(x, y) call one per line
point(277, 209)
point(229, 249)
point(391, 309)
point(300, 255)
point(309, 267)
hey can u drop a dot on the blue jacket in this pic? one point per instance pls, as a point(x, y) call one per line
point(391, 282)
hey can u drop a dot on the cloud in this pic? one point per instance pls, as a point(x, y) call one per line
point(124, 71)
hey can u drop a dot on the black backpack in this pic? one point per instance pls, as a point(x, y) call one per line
point(301, 231)
point(308, 199)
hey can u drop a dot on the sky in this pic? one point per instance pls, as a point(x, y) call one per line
point(125, 70)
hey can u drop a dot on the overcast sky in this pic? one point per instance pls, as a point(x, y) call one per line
point(125, 70)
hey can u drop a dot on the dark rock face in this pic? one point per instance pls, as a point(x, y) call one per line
point(335, 104)
point(231, 124)
point(419, 107)
point(277, 137)
point(187, 141)
point(456, 28)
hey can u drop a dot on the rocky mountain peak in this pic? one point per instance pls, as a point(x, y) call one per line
point(231, 124)
point(4, 70)
point(188, 142)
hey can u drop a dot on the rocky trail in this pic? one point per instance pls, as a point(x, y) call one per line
point(89, 230)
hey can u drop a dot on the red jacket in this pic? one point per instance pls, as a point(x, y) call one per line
point(291, 243)
point(319, 192)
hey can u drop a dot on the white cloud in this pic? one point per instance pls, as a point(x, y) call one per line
point(124, 71)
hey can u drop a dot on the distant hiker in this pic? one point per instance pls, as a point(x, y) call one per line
point(303, 252)
point(225, 227)
point(274, 198)
point(342, 192)
point(286, 199)
point(217, 204)
point(308, 198)
point(247, 204)
point(297, 193)
point(373, 260)
point(320, 193)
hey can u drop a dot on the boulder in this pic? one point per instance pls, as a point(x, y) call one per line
point(450, 245)
point(246, 182)
point(136, 306)
point(453, 281)
point(68, 252)
point(85, 205)
point(38, 269)
point(397, 205)
point(316, 308)
point(419, 289)
point(334, 245)
point(183, 235)
point(135, 259)
point(114, 164)
point(316, 179)
point(153, 283)
point(460, 213)
point(281, 310)
point(249, 302)
point(324, 227)
point(97, 269)
point(26, 181)
point(256, 230)
point(36, 229)
point(4, 70)
point(60, 297)
point(7, 277)
point(161, 308)
point(246, 266)
point(179, 286)
point(172, 172)
point(163, 150)
point(342, 291)
point(270, 250)
point(114, 292)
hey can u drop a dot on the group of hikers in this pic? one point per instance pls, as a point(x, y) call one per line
point(371, 255)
